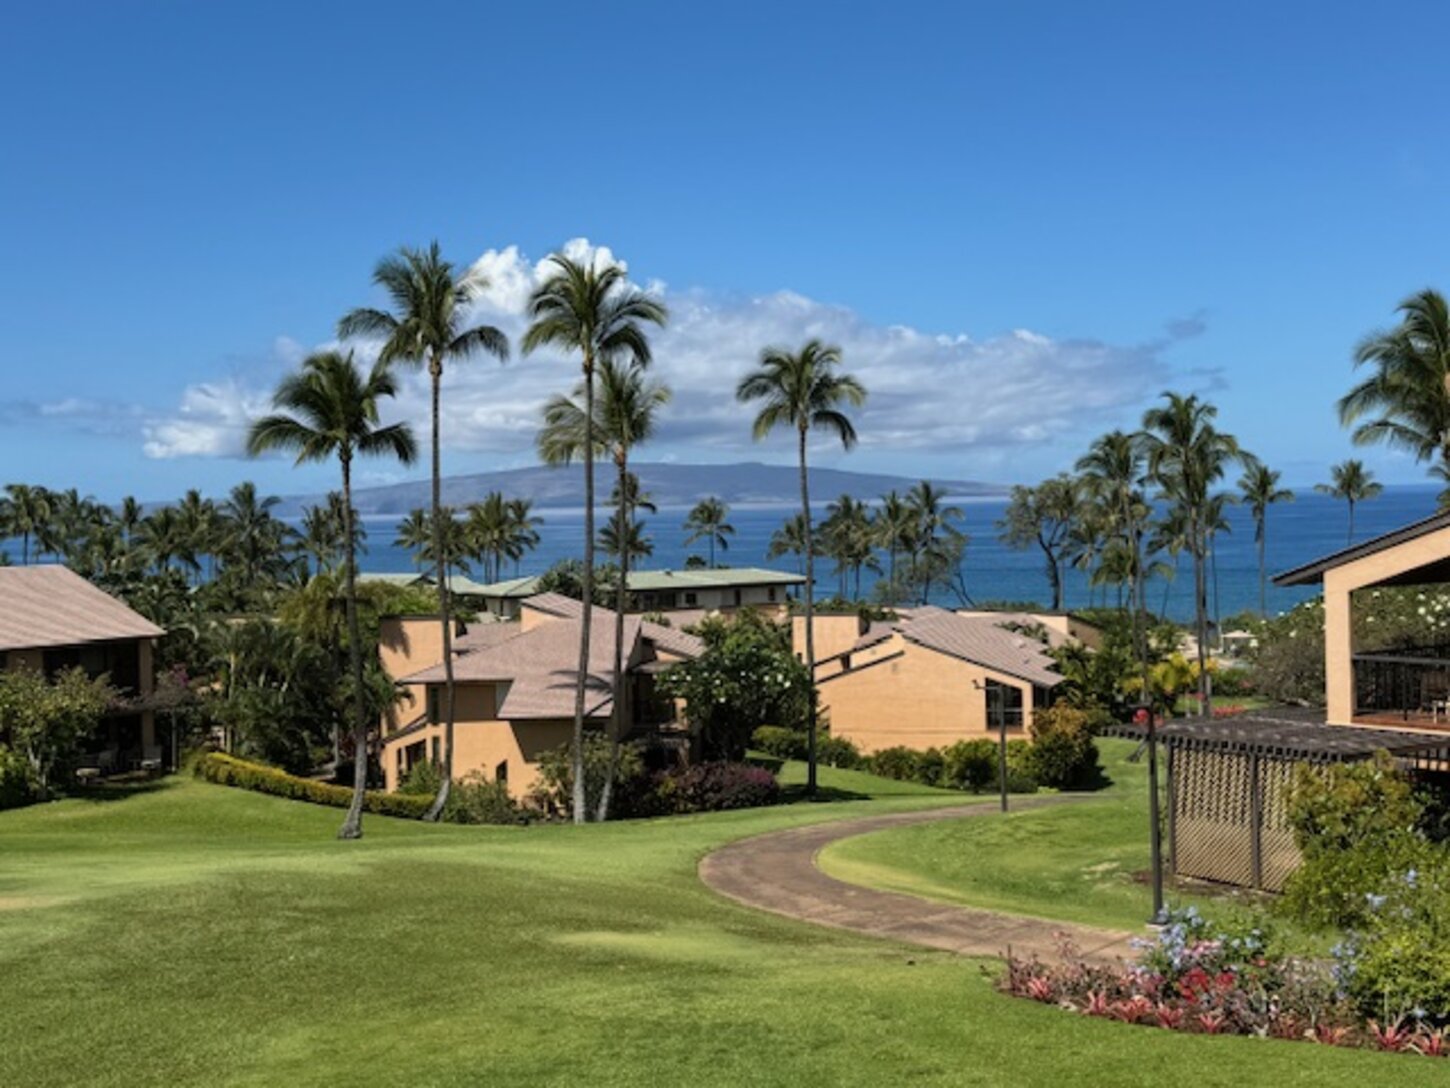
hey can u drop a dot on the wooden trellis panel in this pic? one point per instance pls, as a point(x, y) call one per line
point(1230, 818)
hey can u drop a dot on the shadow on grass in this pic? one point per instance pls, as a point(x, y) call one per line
point(796, 794)
point(116, 790)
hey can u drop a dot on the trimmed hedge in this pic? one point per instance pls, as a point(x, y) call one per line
point(227, 770)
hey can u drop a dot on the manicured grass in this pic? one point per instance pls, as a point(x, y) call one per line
point(197, 935)
point(1077, 863)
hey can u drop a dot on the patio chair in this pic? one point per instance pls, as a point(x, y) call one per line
point(151, 758)
point(1435, 695)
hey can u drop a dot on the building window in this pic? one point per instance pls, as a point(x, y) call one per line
point(770, 594)
point(692, 599)
point(434, 714)
point(739, 598)
point(1004, 705)
point(501, 772)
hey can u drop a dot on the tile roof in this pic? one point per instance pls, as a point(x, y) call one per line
point(540, 665)
point(51, 605)
point(983, 642)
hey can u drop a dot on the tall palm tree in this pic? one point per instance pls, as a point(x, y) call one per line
point(249, 536)
point(895, 531)
point(488, 531)
point(1187, 457)
point(850, 540)
point(26, 512)
point(625, 413)
point(415, 534)
point(1405, 403)
point(523, 531)
point(1353, 483)
point(330, 409)
point(1259, 487)
point(595, 311)
point(933, 533)
point(789, 539)
point(427, 327)
point(802, 390)
point(708, 520)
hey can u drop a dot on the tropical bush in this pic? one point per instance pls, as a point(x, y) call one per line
point(714, 787)
point(16, 788)
point(226, 770)
point(477, 799)
point(554, 793)
point(900, 763)
point(970, 764)
point(837, 752)
point(46, 721)
point(746, 677)
point(1064, 755)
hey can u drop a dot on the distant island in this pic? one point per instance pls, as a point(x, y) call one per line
point(749, 483)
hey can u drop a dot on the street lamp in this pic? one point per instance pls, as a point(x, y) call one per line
point(1144, 716)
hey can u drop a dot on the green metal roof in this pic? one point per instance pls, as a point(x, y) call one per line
point(393, 579)
point(704, 578)
point(509, 587)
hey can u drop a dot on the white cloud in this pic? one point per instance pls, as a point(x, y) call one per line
point(929, 391)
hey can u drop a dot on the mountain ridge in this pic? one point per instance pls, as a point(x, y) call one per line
point(668, 483)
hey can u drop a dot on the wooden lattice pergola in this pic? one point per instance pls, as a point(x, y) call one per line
point(1228, 787)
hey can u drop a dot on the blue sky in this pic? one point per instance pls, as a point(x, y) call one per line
point(1022, 221)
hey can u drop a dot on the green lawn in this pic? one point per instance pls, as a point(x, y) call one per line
point(1076, 863)
point(196, 935)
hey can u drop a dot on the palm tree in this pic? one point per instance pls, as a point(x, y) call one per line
point(330, 409)
point(427, 328)
point(249, 535)
point(624, 417)
point(1187, 457)
point(523, 536)
point(895, 532)
point(803, 391)
point(25, 512)
point(415, 533)
point(789, 539)
point(1353, 483)
point(1260, 489)
point(595, 311)
point(934, 532)
point(849, 539)
point(1405, 403)
point(488, 532)
point(1112, 471)
point(708, 521)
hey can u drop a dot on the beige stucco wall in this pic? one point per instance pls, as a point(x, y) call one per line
point(918, 698)
point(409, 644)
point(834, 634)
point(481, 744)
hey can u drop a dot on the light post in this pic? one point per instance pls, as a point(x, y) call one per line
point(1145, 716)
point(1002, 758)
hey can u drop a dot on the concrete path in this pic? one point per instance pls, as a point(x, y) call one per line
point(777, 872)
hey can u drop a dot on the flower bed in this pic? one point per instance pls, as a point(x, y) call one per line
point(1208, 981)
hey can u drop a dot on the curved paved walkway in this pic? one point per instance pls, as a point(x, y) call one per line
point(777, 872)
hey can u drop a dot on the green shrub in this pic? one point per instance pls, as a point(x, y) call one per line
point(1355, 824)
point(714, 787)
point(970, 765)
point(555, 790)
point(475, 799)
point(837, 752)
point(776, 740)
point(1021, 768)
point(16, 788)
point(899, 763)
point(227, 770)
point(424, 779)
point(931, 767)
point(1064, 755)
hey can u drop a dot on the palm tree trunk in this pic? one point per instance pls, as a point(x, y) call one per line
point(445, 785)
point(1263, 575)
point(620, 600)
point(810, 623)
point(352, 824)
point(1054, 578)
point(1200, 607)
point(587, 583)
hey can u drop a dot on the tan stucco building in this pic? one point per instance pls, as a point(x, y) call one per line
point(53, 619)
point(1395, 685)
point(515, 687)
point(927, 679)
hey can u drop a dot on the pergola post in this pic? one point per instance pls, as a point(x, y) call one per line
point(1256, 822)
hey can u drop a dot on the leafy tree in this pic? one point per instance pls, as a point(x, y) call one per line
point(803, 391)
point(1042, 517)
point(426, 327)
point(330, 409)
point(708, 520)
point(1353, 483)
point(1260, 489)
point(747, 677)
point(47, 720)
point(1405, 402)
point(593, 310)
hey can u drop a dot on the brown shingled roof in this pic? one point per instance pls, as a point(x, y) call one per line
point(541, 665)
point(51, 605)
point(983, 642)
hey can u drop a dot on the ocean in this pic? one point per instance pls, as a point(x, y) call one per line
point(1311, 526)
